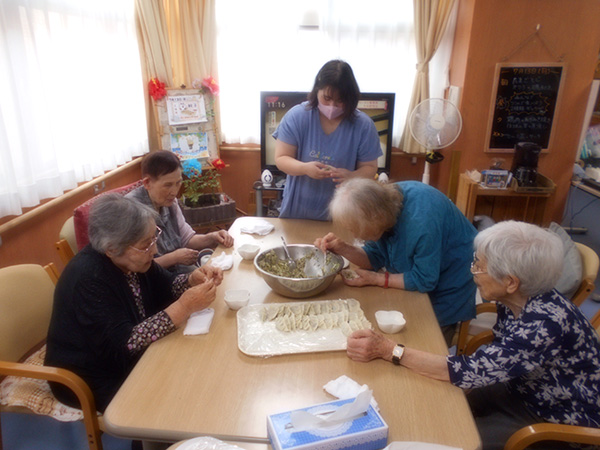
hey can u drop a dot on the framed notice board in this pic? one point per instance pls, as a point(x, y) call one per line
point(525, 98)
point(186, 124)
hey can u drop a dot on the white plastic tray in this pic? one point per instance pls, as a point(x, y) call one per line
point(261, 338)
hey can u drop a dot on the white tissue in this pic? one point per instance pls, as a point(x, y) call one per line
point(345, 387)
point(256, 226)
point(418, 446)
point(303, 420)
point(199, 322)
point(223, 261)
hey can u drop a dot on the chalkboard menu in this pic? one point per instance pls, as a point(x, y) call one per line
point(524, 102)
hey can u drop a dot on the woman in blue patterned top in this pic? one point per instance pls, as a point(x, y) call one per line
point(544, 361)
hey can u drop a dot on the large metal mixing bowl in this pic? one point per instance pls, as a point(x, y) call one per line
point(299, 287)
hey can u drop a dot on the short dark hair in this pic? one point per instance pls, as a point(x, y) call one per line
point(159, 163)
point(337, 75)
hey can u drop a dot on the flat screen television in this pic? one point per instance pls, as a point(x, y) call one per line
point(274, 105)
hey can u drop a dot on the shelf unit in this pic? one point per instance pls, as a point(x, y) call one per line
point(502, 204)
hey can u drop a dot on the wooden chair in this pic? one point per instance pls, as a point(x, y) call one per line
point(67, 244)
point(480, 328)
point(540, 432)
point(26, 297)
point(591, 264)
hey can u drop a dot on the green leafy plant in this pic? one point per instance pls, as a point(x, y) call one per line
point(198, 183)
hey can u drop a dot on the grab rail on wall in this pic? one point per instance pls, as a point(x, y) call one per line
point(23, 218)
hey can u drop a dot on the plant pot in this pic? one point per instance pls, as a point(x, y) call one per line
point(223, 210)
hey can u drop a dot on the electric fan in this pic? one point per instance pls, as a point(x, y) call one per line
point(435, 123)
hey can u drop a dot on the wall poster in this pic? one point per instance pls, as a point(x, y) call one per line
point(525, 99)
point(184, 109)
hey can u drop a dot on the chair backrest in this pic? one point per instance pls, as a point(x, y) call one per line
point(590, 260)
point(67, 232)
point(26, 296)
point(82, 212)
point(591, 264)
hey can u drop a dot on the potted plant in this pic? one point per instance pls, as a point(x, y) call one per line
point(201, 201)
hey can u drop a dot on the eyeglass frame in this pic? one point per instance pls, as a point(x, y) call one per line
point(473, 263)
point(152, 243)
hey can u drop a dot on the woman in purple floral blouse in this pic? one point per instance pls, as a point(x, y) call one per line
point(112, 300)
point(544, 362)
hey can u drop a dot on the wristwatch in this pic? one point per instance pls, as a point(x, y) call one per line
point(397, 354)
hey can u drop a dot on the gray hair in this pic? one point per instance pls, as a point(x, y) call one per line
point(532, 254)
point(116, 222)
point(360, 203)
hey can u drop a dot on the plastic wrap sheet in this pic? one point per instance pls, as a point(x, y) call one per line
point(206, 443)
point(258, 337)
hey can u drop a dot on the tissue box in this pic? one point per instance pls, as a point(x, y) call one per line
point(369, 432)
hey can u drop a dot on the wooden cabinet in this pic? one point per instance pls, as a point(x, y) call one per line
point(502, 204)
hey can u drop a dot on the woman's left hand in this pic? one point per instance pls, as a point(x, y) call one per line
point(364, 278)
point(339, 175)
point(206, 272)
point(366, 345)
point(222, 237)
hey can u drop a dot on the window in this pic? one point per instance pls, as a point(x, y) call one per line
point(72, 96)
point(270, 45)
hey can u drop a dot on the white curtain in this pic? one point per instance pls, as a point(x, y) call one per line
point(262, 47)
point(72, 96)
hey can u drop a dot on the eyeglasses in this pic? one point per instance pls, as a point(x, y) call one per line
point(152, 242)
point(474, 269)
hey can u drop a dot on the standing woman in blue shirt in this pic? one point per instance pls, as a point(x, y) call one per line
point(417, 234)
point(324, 141)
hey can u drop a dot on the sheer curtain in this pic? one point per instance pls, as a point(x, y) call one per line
point(72, 96)
point(263, 47)
point(431, 21)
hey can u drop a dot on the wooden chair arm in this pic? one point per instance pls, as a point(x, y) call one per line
point(531, 434)
point(463, 330)
point(483, 338)
point(64, 250)
point(70, 380)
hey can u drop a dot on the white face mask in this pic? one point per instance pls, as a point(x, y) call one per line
point(331, 111)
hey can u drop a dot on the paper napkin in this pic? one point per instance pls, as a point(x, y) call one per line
point(256, 226)
point(199, 322)
point(223, 261)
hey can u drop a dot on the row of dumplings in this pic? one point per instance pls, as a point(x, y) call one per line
point(330, 314)
point(272, 312)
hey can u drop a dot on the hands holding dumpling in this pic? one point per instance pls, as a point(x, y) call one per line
point(361, 276)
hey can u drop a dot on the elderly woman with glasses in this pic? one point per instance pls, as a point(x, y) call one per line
point(113, 300)
point(417, 240)
point(544, 362)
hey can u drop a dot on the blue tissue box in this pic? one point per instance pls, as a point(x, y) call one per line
point(369, 432)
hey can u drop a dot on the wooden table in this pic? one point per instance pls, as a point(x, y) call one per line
point(187, 386)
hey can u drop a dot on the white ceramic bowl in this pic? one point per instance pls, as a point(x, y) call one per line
point(248, 251)
point(237, 298)
point(390, 322)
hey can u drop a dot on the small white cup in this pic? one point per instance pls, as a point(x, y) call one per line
point(237, 298)
point(248, 251)
point(390, 322)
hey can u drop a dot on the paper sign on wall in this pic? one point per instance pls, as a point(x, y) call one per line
point(186, 109)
